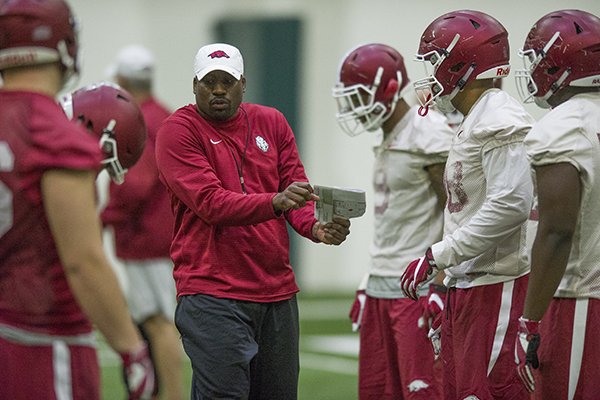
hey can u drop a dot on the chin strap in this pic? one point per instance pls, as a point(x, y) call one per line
point(424, 110)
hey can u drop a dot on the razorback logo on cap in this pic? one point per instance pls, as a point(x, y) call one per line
point(218, 54)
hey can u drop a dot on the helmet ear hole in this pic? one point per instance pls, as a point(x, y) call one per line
point(390, 90)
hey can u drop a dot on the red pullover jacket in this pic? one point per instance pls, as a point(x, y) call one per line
point(226, 243)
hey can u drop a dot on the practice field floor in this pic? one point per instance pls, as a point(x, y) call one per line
point(328, 352)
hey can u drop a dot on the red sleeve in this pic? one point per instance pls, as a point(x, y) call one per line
point(291, 170)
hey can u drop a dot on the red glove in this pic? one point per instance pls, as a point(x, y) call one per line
point(416, 273)
point(526, 346)
point(436, 298)
point(432, 315)
point(138, 373)
point(358, 307)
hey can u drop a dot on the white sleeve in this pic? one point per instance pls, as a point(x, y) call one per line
point(509, 195)
point(559, 137)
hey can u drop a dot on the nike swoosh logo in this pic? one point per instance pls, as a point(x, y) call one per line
point(215, 141)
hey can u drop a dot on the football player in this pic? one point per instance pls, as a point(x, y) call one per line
point(55, 282)
point(562, 307)
point(490, 194)
point(396, 358)
point(141, 225)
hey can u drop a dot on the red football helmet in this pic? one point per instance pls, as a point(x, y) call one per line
point(109, 111)
point(461, 46)
point(37, 32)
point(370, 80)
point(562, 49)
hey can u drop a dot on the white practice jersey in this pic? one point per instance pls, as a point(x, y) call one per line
point(570, 134)
point(407, 216)
point(490, 194)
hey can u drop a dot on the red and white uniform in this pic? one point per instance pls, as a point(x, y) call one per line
point(240, 249)
point(570, 347)
point(490, 194)
point(139, 211)
point(43, 332)
point(396, 358)
point(407, 218)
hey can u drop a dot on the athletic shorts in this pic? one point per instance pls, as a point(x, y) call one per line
point(240, 349)
point(479, 329)
point(396, 358)
point(38, 366)
point(151, 289)
point(569, 351)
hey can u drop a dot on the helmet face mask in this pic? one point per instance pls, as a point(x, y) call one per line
point(457, 48)
point(110, 113)
point(370, 80)
point(358, 111)
point(526, 86)
point(429, 89)
point(38, 32)
point(562, 49)
point(108, 144)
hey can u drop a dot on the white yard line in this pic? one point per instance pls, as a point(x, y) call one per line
point(341, 345)
point(338, 365)
point(324, 309)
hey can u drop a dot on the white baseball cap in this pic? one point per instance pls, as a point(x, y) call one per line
point(219, 56)
point(134, 61)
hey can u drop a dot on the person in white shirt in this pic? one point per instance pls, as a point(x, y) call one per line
point(396, 359)
point(490, 193)
point(562, 307)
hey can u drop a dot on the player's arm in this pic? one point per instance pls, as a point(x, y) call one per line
point(559, 197)
point(436, 177)
point(69, 201)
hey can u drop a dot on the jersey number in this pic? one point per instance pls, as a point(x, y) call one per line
point(382, 192)
point(7, 161)
point(457, 197)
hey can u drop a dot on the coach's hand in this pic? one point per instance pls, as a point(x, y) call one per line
point(526, 346)
point(417, 273)
point(139, 373)
point(334, 232)
point(294, 196)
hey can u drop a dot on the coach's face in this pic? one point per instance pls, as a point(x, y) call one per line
point(219, 95)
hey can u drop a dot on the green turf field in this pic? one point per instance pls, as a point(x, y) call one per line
point(328, 352)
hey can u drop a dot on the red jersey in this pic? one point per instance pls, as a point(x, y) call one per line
point(229, 244)
point(36, 136)
point(139, 210)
